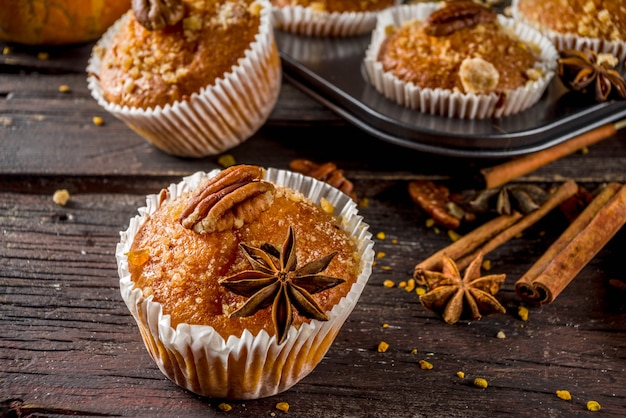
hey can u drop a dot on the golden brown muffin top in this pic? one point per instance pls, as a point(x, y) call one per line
point(338, 5)
point(437, 61)
point(604, 19)
point(145, 69)
point(182, 268)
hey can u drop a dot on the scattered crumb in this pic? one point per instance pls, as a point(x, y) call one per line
point(64, 88)
point(394, 241)
point(385, 325)
point(380, 254)
point(61, 197)
point(98, 121)
point(480, 382)
point(425, 365)
point(453, 235)
point(460, 374)
point(564, 394)
point(43, 56)
point(501, 335)
point(430, 222)
point(386, 268)
point(380, 235)
point(6, 50)
point(382, 347)
point(410, 285)
point(414, 351)
point(420, 291)
point(593, 406)
point(486, 265)
point(226, 160)
point(523, 313)
point(225, 407)
point(326, 205)
point(282, 406)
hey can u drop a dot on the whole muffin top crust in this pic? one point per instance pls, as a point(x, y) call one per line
point(481, 57)
point(182, 268)
point(147, 68)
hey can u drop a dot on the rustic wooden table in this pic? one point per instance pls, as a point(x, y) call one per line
point(69, 346)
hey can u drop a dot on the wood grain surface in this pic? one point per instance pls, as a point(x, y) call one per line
point(69, 346)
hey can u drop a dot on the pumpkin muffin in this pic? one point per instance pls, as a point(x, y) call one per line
point(599, 25)
point(239, 282)
point(328, 18)
point(458, 59)
point(198, 79)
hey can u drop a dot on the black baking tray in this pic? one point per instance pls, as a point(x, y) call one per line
point(330, 70)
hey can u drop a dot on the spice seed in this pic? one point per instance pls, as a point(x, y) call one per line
point(564, 394)
point(282, 406)
point(425, 365)
point(479, 382)
point(593, 406)
point(98, 121)
point(225, 407)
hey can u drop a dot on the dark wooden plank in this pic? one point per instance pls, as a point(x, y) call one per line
point(67, 339)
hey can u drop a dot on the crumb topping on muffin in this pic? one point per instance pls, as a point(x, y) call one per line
point(604, 19)
point(148, 68)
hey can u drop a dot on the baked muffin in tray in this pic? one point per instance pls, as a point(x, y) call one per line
point(458, 59)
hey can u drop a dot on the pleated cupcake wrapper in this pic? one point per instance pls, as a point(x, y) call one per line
point(198, 358)
point(307, 21)
point(564, 41)
point(218, 117)
point(449, 103)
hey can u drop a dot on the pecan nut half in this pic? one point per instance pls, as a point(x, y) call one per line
point(327, 172)
point(456, 15)
point(232, 198)
point(157, 14)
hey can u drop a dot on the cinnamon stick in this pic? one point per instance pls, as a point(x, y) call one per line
point(561, 194)
point(573, 250)
point(503, 173)
point(468, 242)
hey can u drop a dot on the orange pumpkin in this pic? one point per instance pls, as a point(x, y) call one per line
point(57, 22)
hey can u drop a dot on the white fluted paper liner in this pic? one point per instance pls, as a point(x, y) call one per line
point(445, 102)
point(198, 358)
point(219, 116)
point(310, 22)
point(564, 41)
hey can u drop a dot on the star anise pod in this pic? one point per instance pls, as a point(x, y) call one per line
point(524, 198)
point(454, 297)
point(592, 73)
point(277, 281)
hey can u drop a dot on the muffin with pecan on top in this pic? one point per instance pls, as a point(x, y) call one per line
point(193, 77)
point(239, 282)
point(458, 59)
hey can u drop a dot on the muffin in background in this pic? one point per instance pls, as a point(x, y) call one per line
point(328, 18)
point(599, 25)
point(198, 82)
point(458, 59)
point(201, 270)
